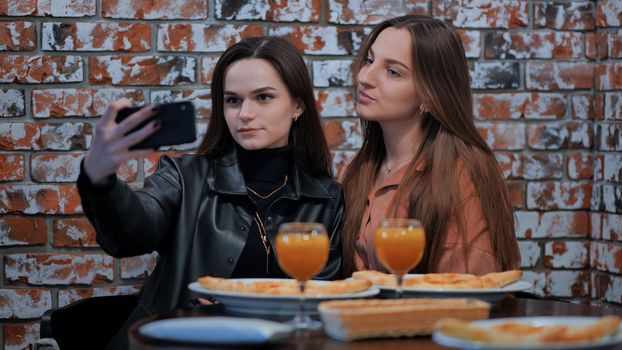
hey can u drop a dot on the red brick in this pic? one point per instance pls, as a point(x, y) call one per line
point(568, 283)
point(16, 136)
point(596, 45)
point(614, 43)
point(613, 106)
point(558, 195)
point(12, 167)
point(555, 136)
point(566, 254)
point(608, 13)
point(317, 40)
point(609, 287)
point(503, 136)
point(471, 40)
point(612, 167)
point(342, 134)
point(580, 166)
point(535, 166)
point(520, 105)
point(138, 267)
point(533, 45)
point(208, 63)
point(334, 103)
point(65, 136)
point(552, 224)
point(82, 102)
point(564, 15)
point(587, 107)
point(57, 269)
point(328, 73)
point(494, 75)
point(372, 11)
point(537, 280)
point(530, 253)
point(24, 302)
point(201, 98)
point(272, 11)
point(195, 37)
point(558, 75)
point(150, 163)
point(607, 256)
point(611, 226)
point(612, 198)
point(516, 194)
point(39, 199)
point(22, 230)
point(40, 69)
point(142, 70)
point(608, 137)
point(99, 36)
point(73, 232)
point(12, 103)
point(20, 335)
point(608, 76)
point(55, 167)
point(162, 9)
point(17, 36)
point(477, 14)
point(67, 8)
point(68, 296)
point(339, 160)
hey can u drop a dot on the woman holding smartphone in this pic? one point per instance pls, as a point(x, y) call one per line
point(422, 156)
point(264, 161)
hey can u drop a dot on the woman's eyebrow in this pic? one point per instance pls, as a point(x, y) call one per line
point(261, 89)
point(390, 60)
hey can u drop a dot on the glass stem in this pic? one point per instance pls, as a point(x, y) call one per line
point(301, 310)
point(398, 287)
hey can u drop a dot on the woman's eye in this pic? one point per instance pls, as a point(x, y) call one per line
point(368, 61)
point(232, 100)
point(393, 73)
point(264, 97)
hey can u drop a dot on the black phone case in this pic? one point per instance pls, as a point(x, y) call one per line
point(177, 125)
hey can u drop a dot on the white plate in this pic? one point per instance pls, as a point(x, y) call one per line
point(493, 294)
point(216, 330)
point(606, 343)
point(264, 304)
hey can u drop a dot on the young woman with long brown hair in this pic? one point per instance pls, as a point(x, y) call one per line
point(422, 156)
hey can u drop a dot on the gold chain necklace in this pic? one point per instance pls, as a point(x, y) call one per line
point(390, 169)
point(264, 239)
point(269, 194)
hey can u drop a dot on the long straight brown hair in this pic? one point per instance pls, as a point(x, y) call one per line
point(311, 152)
point(451, 143)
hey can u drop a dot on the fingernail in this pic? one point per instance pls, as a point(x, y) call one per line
point(156, 124)
point(155, 108)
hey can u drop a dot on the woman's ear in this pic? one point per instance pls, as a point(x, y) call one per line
point(300, 108)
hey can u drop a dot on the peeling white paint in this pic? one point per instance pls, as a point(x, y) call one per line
point(24, 303)
point(529, 253)
point(537, 280)
point(325, 70)
point(575, 256)
point(613, 105)
point(12, 103)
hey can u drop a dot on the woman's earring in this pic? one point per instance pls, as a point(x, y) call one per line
point(422, 109)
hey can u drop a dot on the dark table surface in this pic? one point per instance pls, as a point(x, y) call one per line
point(508, 307)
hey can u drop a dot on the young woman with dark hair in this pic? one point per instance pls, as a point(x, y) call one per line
point(264, 161)
point(422, 156)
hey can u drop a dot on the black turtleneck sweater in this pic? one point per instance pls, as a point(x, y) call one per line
point(264, 171)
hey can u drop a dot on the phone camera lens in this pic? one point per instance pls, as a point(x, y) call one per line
point(183, 108)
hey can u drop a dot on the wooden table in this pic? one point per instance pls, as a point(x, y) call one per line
point(508, 307)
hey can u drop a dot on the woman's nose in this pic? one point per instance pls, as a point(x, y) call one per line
point(247, 111)
point(366, 76)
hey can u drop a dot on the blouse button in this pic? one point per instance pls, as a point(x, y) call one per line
point(243, 228)
point(269, 219)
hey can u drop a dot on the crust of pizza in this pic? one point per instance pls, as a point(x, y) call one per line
point(285, 286)
point(511, 333)
point(444, 280)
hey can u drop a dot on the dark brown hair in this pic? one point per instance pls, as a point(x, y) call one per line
point(450, 143)
point(309, 143)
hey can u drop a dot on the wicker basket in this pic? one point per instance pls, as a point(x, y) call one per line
point(372, 318)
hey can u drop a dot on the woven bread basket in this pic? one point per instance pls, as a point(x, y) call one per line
point(373, 318)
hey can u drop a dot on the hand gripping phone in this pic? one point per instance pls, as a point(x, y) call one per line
point(177, 125)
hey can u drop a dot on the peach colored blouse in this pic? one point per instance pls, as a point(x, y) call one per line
point(480, 257)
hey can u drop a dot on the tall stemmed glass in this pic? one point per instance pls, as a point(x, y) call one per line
point(302, 252)
point(400, 244)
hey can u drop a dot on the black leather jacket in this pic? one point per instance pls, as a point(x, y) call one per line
point(164, 216)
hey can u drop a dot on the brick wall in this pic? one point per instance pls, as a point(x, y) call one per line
point(547, 79)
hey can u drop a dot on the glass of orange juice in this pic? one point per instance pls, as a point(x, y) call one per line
point(302, 252)
point(400, 244)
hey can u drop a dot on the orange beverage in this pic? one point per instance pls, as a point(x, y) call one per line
point(400, 249)
point(302, 255)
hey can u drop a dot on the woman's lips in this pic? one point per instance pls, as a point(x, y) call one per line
point(364, 97)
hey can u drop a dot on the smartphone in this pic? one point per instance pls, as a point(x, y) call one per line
point(177, 125)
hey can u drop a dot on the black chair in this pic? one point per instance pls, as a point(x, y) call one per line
point(88, 323)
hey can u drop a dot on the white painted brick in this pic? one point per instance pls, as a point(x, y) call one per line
point(529, 252)
point(24, 303)
point(568, 254)
point(537, 280)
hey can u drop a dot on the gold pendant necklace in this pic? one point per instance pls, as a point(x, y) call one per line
point(264, 239)
point(269, 194)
